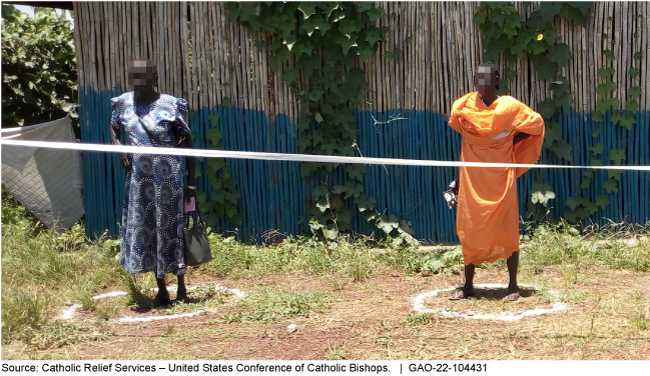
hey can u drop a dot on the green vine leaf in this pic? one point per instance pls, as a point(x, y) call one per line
point(628, 122)
point(634, 91)
point(597, 116)
point(322, 68)
point(561, 54)
point(290, 74)
point(509, 74)
point(213, 136)
point(542, 193)
point(609, 54)
point(596, 150)
point(573, 202)
point(617, 155)
point(308, 9)
point(545, 68)
point(602, 201)
point(537, 48)
point(356, 171)
point(615, 174)
point(323, 206)
point(549, 9)
point(547, 108)
point(349, 26)
point(638, 55)
point(604, 88)
point(214, 119)
point(596, 133)
point(331, 232)
point(553, 133)
point(366, 202)
point(564, 101)
point(561, 149)
point(605, 73)
point(611, 185)
point(373, 37)
point(583, 6)
point(573, 13)
point(320, 191)
point(605, 105)
point(586, 179)
point(632, 106)
point(633, 72)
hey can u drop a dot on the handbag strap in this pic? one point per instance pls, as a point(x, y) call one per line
point(196, 215)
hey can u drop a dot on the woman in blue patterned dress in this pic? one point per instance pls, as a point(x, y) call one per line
point(153, 212)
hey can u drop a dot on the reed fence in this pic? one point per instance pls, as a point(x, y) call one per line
point(425, 63)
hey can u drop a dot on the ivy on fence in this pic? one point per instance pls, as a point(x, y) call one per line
point(318, 46)
point(506, 33)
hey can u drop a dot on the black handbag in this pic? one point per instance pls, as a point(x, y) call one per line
point(197, 247)
point(451, 195)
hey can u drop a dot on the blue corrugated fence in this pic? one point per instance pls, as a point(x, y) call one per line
point(273, 193)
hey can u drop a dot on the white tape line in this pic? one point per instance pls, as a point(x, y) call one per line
point(68, 313)
point(286, 157)
point(418, 306)
point(109, 295)
point(163, 317)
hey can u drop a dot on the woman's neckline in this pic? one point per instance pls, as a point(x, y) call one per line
point(483, 100)
point(136, 104)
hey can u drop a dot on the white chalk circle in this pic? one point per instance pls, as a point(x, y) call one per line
point(418, 306)
point(68, 313)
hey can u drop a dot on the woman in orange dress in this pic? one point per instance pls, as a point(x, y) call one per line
point(497, 129)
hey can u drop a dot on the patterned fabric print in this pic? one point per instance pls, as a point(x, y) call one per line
point(152, 215)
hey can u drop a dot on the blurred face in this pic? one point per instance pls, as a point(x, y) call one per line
point(485, 79)
point(142, 76)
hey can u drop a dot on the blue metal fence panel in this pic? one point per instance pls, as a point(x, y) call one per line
point(273, 194)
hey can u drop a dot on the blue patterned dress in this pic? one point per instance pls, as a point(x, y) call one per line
point(152, 216)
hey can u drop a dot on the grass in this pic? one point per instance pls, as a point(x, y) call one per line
point(417, 319)
point(336, 353)
point(277, 304)
point(43, 270)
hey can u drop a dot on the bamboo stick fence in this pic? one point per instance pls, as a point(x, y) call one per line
point(426, 62)
point(433, 49)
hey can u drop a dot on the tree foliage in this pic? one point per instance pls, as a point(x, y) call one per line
point(39, 69)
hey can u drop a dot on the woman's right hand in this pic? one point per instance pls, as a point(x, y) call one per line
point(127, 161)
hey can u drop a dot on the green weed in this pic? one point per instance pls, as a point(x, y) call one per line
point(336, 353)
point(614, 246)
point(447, 262)
point(54, 334)
point(21, 309)
point(41, 270)
point(277, 304)
point(416, 319)
point(134, 290)
point(108, 308)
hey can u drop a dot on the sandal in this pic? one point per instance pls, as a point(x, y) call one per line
point(460, 294)
point(511, 297)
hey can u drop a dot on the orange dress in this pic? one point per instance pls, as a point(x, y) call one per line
point(488, 213)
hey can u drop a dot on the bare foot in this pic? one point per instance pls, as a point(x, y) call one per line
point(161, 299)
point(181, 295)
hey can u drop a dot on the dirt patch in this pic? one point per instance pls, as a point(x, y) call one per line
point(489, 301)
point(370, 320)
